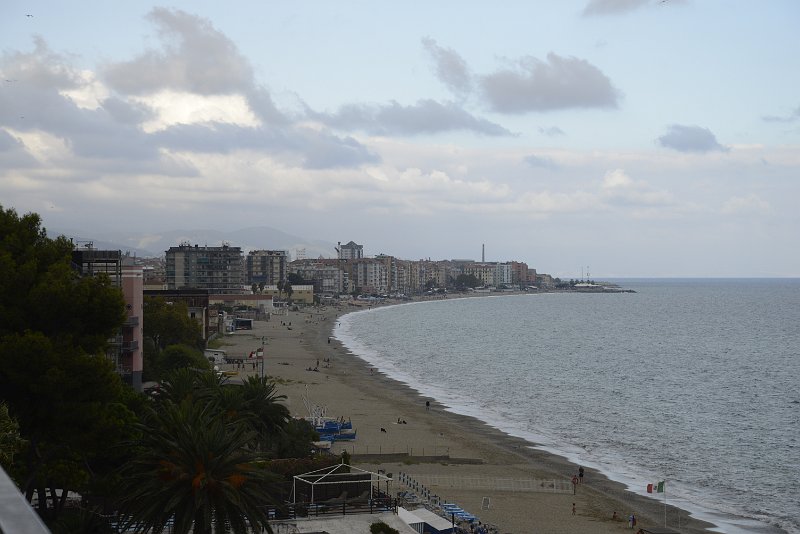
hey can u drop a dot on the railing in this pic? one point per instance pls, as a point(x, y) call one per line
point(130, 346)
point(488, 483)
point(16, 515)
point(301, 510)
point(131, 321)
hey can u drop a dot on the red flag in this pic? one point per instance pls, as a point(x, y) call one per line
point(649, 488)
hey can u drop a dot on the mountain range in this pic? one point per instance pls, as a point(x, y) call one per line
point(155, 244)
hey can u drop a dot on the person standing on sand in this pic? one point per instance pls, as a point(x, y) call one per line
point(580, 475)
point(427, 405)
point(573, 508)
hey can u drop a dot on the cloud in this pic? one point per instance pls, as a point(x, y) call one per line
point(620, 189)
point(451, 69)
point(544, 162)
point(64, 117)
point(749, 204)
point(552, 131)
point(8, 142)
point(195, 58)
point(306, 147)
point(327, 151)
point(791, 117)
point(559, 83)
point(425, 117)
point(613, 7)
point(690, 139)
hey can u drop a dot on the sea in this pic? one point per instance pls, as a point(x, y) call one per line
point(695, 382)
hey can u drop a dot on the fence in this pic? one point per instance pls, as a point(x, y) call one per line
point(486, 483)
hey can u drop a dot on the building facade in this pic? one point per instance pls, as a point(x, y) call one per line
point(326, 274)
point(216, 269)
point(125, 348)
point(265, 267)
point(350, 251)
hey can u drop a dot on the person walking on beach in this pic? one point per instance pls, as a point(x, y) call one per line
point(427, 405)
point(573, 508)
point(580, 475)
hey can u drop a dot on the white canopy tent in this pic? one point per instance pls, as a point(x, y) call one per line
point(342, 475)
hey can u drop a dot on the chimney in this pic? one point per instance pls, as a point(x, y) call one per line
point(483, 253)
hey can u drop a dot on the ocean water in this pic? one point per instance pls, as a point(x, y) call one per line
point(696, 382)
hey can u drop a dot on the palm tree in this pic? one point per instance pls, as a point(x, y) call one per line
point(280, 285)
point(193, 467)
point(186, 383)
point(262, 401)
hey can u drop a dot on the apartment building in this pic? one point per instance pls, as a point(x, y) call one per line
point(369, 276)
point(265, 267)
point(125, 348)
point(216, 269)
point(350, 251)
point(327, 275)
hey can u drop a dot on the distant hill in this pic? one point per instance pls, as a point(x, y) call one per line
point(155, 244)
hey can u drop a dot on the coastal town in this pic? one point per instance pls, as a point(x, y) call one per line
point(229, 269)
point(215, 318)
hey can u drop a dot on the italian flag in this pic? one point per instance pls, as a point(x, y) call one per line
point(658, 487)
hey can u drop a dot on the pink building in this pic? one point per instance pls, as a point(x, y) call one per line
point(130, 359)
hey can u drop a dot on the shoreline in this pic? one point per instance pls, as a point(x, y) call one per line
point(438, 442)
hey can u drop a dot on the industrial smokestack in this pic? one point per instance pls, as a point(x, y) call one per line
point(483, 253)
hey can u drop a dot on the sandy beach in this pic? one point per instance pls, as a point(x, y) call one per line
point(459, 458)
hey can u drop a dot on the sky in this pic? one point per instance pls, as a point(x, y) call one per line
point(625, 138)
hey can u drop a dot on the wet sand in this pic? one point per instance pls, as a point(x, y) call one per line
point(469, 459)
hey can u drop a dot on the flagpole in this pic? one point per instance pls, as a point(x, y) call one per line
point(665, 503)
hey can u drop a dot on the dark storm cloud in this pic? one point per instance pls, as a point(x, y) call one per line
point(425, 117)
point(451, 69)
point(613, 7)
point(558, 83)
point(690, 139)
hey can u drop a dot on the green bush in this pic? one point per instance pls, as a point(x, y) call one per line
point(382, 528)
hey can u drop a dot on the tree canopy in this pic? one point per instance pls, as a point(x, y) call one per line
point(54, 376)
point(199, 454)
point(172, 339)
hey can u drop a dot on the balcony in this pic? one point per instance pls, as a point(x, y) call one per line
point(129, 346)
point(131, 321)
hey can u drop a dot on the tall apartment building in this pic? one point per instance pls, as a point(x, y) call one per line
point(125, 348)
point(350, 251)
point(369, 276)
point(265, 267)
point(327, 275)
point(217, 269)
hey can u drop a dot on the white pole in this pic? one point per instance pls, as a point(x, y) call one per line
point(665, 503)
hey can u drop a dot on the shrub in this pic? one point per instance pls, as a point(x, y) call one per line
point(382, 528)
